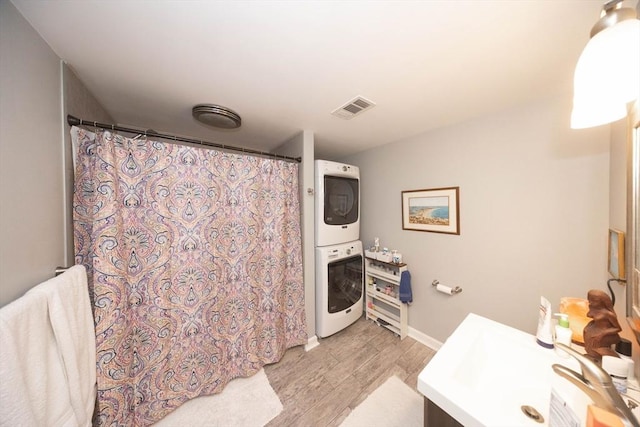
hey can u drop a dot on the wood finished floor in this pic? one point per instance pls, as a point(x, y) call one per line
point(321, 387)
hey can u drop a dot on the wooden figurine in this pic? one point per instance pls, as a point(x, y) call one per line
point(601, 333)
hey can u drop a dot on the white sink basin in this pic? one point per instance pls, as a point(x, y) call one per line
point(486, 371)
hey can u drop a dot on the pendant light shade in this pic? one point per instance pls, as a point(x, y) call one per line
point(607, 75)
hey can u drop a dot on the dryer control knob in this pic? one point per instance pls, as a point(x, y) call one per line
point(348, 251)
point(344, 168)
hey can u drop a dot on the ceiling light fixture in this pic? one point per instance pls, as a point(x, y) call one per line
point(217, 116)
point(606, 76)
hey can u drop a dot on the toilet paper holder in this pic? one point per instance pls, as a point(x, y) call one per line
point(453, 291)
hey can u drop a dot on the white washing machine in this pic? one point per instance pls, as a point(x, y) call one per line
point(339, 287)
point(337, 203)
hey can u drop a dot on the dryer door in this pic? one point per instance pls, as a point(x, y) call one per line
point(340, 200)
point(345, 283)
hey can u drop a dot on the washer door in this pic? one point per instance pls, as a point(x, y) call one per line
point(340, 200)
point(344, 283)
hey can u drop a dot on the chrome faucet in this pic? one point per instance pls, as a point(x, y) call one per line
point(596, 383)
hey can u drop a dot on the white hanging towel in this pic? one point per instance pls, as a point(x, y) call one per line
point(47, 356)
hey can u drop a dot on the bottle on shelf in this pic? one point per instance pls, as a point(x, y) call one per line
point(563, 333)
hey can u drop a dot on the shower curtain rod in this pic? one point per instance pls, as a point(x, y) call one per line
point(74, 121)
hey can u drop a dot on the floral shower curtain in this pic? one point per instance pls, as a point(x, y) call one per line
point(195, 269)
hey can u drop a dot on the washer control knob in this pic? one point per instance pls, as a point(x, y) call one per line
point(349, 251)
point(344, 168)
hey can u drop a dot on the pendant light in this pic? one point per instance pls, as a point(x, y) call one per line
point(607, 75)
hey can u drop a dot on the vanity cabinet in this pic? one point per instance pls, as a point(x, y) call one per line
point(434, 416)
point(383, 306)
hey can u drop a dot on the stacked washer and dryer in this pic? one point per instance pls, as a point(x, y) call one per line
point(339, 255)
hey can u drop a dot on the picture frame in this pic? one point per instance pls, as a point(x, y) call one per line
point(435, 210)
point(616, 253)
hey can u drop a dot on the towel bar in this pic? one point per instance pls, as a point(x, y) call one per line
point(59, 270)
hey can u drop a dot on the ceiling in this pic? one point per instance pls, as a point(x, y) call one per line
point(284, 66)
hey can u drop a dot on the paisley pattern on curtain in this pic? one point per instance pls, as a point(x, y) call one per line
point(195, 269)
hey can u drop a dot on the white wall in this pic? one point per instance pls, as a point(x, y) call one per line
point(534, 207)
point(31, 176)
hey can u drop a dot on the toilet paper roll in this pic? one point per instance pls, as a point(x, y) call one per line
point(444, 289)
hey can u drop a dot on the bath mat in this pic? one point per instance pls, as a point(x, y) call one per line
point(245, 402)
point(393, 404)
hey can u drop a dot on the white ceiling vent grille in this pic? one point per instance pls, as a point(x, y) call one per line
point(356, 106)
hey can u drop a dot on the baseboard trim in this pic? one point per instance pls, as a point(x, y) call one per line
point(424, 339)
point(312, 343)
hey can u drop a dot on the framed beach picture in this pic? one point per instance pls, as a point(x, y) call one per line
point(616, 253)
point(435, 209)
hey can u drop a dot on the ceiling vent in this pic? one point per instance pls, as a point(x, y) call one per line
point(356, 106)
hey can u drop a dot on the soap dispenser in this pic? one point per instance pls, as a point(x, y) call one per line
point(563, 332)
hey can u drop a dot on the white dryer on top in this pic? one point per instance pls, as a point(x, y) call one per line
point(337, 203)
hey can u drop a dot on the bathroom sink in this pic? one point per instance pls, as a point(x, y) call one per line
point(486, 372)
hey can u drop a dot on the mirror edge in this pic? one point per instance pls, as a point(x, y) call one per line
point(633, 212)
